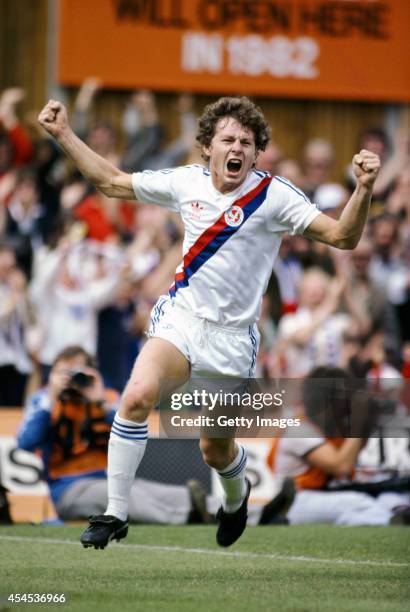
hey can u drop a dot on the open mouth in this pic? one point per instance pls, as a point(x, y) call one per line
point(234, 166)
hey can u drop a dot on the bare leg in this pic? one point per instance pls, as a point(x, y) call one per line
point(160, 364)
point(229, 460)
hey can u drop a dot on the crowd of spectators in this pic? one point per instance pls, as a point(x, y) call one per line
point(342, 308)
point(79, 268)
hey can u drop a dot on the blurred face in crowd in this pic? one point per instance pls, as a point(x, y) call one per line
point(7, 263)
point(290, 169)
point(26, 192)
point(313, 288)
point(361, 257)
point(375, 144)
point(318, 160)
point(269, 159)
point(232, 154)
point(102, 139)
point(383, 234)
point(144, 100)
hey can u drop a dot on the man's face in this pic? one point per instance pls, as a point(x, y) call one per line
point(61, 371)
point(61, 379)
point(232, 154)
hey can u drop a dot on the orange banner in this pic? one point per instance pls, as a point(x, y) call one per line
point(334, 49)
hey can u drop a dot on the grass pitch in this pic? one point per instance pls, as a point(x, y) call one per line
point(298, 569)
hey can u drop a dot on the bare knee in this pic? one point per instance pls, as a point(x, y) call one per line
point(137, 401)
point(218, 453)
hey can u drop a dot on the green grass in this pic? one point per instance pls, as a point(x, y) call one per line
point(345, 569)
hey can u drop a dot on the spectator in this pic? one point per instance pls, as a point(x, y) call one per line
point(16, 148)
point(49, 166)
point(394, 157)
point(313, 334)
point(69, 422)
point(289, 271)
point(381, 373)
point(70, 284)
point(146, 135)
point(177, 151)
point(50, 175)
point(398, 291)
point(100, 136)
point(27, 224)
point(325, 455)
point(269, 159)
point(144, 132)
point(290, 170)
point(15, 317)
point(369, 296)
point(318, 159)
point(386, 259)
point(15, 145)
point(398, 203)
point(267, 325)
point(106, 219)
point(118, 339)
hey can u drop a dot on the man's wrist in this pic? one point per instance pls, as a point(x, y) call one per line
point(363, 190)
point(64, 136)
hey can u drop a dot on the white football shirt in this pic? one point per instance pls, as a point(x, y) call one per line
point(231, 240)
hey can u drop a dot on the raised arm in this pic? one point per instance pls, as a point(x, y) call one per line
point(105, 176)
point(346, 232)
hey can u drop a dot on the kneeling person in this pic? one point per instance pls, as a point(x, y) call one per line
point(70, 421)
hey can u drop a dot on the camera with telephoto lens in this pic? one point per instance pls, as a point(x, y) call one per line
point(78, 382)
point(80, 379)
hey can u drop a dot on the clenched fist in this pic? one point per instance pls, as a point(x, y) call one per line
point(366, 166)
point(53, 118)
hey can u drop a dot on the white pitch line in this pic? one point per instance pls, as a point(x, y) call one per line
point(215, 553)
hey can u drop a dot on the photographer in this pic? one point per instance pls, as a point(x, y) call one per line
point(322, 456)
point(69, 421)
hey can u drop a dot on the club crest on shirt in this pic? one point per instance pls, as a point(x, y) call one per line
point(234, 216)
point(196, 210)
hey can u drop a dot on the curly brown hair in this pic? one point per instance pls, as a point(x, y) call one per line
point(243, 110)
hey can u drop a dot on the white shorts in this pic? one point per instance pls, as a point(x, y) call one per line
point(211, 349)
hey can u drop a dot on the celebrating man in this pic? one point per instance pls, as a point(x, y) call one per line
point(234, 219)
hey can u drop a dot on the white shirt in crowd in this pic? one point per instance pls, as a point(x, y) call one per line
point(323, 348)
point(68, 314)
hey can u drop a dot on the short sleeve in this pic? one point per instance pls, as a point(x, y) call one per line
point(289, 209)
point(158, 187)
